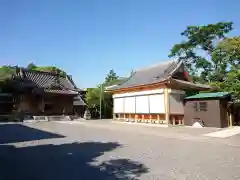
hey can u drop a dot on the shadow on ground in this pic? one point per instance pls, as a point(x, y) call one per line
point(13, 133)
point(74, 161)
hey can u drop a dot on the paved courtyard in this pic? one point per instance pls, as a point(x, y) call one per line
point(106, 150)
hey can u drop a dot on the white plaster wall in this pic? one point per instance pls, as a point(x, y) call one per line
point(118, 105)
point(129, 104)
point(142, 104)
point(150, 101)
point(157, 103)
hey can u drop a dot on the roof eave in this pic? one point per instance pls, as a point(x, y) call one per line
point(137, 86)
point(188, 85)
point(209, 96)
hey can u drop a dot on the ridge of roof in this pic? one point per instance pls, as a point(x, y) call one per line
point(40, 72)
point(155, 65)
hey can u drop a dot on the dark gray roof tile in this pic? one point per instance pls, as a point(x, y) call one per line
point(78, 101)
point(50, 82)
point(46, 80)
point(149, 75)
point(59, 91)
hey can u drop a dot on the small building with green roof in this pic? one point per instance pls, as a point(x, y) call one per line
point(208, 109)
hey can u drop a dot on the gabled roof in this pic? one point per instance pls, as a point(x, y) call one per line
point(49, 82)
point(150, 75)
point(209, 95)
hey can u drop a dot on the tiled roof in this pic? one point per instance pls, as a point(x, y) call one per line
point(60, 91)
point(46, 80)
point(50, 82)
point(77, 101)
point(152, 74)
point(209, 95)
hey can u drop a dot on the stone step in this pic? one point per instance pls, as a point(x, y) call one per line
point(52, 118)
point(59, 118)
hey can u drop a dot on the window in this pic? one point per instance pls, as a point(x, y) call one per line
point(203, 106)
point(200, 106)
point(195, 106)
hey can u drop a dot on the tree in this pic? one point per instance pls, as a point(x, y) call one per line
point(6, 72)
point(197, 50)
point(228, 51)
point(210, 56)
point(93, 95)
point(52, 69)
point(92, 99)
point(31, 66)
point(111, 76)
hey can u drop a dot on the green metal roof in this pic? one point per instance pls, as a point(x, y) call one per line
point(208, 95)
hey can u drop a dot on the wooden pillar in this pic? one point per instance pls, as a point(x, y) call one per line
point(178, 119)
point(133, 120)
point(137, 118)
point(166, 105)
point(180, 122)
point(230, 119)
point(173, 120)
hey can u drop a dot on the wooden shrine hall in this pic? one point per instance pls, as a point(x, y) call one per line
point(154, 94)
point(37, 93)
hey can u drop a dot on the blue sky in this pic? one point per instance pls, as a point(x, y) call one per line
point(87, 38)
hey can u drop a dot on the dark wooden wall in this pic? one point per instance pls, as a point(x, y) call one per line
point(58, 104)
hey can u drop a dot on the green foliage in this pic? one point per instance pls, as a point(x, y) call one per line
point(6, 72)
point(229, 51)
point(93, 100)
point(31, 66)
point(111, 76)
point(53, 69)
point(94, 95)
point(231, 83)
point(197, 50)
point(210, 56)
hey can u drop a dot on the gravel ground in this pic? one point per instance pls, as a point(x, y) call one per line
point(88, 151)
